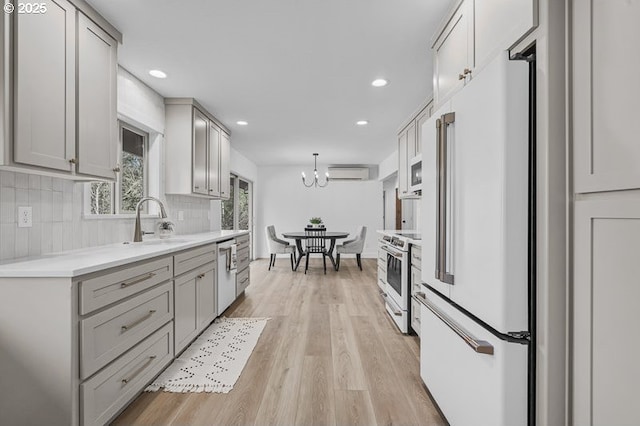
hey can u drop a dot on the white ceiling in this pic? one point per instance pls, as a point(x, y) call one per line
point(299, 71)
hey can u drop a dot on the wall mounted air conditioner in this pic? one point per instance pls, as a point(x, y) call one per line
point(348, 173)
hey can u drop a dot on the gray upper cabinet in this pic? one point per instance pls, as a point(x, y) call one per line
point(63, 72)
point(197, 151)
point(453, 58)
point(225, 163)
point(97, 120)
point(44, 87)
point(472, 35)
point(214, 160)
point(200, 149)
point(606, 105)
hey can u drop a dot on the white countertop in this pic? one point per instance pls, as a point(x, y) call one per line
point(74, 263)
point(394, 232)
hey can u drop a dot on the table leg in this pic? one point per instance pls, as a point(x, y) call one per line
point(300, 252)
point(331, 247)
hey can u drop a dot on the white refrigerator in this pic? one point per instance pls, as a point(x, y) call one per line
point(475, 220)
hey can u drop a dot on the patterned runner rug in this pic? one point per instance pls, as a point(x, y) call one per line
point(214, 361)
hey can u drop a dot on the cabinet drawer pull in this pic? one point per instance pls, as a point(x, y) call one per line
point(138, 321)
point(116, 169)
point(73, 161)
point(244, 281)
point(139, 370)
point(137, 280)
point(196, 187)
point(460, 77)
point(200, 276)
point(467, 71)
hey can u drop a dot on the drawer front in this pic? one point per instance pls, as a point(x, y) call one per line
point(108, 391)
point(97, 291)
point(242, 242)
point(416, 256)
point(243, 258)
point(110, 333)
point(416, 280)
point(191, 259)
point(382, 279)
point(382, 255)
point(415, 316)
point(382, 264)
point(242, 281)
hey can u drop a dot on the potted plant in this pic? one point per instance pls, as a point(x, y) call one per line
point(316, 222)
point(165, 228)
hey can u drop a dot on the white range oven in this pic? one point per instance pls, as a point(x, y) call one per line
point(396, 293)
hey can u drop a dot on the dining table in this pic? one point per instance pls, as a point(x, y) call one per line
point(298, 236)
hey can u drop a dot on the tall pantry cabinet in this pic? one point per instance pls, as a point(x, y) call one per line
point(606, 218)
point(60, 116)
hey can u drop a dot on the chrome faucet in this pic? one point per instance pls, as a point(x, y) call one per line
point(137, 233)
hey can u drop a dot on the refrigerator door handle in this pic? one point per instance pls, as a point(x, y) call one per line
point(443, 198)
point(479, 346)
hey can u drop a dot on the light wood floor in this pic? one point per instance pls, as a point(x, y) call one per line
point(330, 355)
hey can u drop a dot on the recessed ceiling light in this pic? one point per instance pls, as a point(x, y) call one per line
point(241, 123)
point(379, 82)
point(362, 122)
point(158, 74)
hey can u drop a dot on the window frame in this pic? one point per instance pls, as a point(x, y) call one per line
point(116, 186)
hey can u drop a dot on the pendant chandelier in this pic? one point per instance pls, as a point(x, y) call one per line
point(315, 181)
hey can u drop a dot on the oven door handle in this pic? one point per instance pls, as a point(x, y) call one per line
point(392, 253)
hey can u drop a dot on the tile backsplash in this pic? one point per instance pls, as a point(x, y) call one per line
point(58, 221)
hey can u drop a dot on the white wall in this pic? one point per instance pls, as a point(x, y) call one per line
point(283, 201)
point(388, 166)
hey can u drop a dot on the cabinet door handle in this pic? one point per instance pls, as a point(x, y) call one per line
point(200, 276)
point(137, 280)
point(139, 370)
point(461, 77)
point(73, 161)
point(196, 187)
point(138, 321)
point(116, 169)
point(467, 71)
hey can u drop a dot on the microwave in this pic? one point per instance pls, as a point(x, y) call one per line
point(415, 179)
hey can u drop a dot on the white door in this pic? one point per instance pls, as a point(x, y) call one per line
point(97, 119)
point(45, 70)
point(488, 157)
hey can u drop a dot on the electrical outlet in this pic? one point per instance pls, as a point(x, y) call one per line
point(180, 215)
point(25, 217)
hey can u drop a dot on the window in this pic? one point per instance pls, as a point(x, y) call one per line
point(236, 211)
point(131, 184)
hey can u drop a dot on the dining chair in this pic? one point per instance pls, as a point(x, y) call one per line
point(353, 246)
point(278, 246)
point(315, 243)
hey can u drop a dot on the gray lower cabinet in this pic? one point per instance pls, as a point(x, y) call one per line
point(80, 349)
point(195, 294)
point(105, 394)
point(243, 256)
